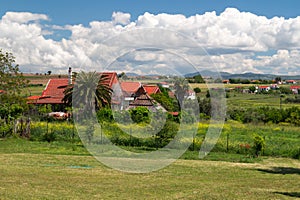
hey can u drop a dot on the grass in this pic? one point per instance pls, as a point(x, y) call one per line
point(56, 176)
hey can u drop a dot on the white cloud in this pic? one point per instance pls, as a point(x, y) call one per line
point(233, 38)
point(121, 18)
point(23, 17)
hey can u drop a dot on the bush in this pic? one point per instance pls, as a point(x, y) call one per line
point(258, 145)
point(140, 115)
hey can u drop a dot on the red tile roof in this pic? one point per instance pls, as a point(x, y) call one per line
point(130, 87)
point(54, 91)
point(295, 87)
point(111, 78)
point(263, 86)
point(151, 89)
point(2, 91)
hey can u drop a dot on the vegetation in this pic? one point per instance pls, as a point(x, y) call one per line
point(12, 105)
point(89, 85)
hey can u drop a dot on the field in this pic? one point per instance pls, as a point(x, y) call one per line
point(45, 173)
point(63, 169)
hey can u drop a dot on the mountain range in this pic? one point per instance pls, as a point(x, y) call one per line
point(248, 75)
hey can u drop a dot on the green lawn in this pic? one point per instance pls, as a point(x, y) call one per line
point(33, 170)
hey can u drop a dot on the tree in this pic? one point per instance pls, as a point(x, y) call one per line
point(277, 79)
point(252, 89)
point(49, 72)
point(90, 89)
point(197, 90)
point(12, 81)
point(140, 114)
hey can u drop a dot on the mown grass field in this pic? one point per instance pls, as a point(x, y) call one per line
point(43, 172)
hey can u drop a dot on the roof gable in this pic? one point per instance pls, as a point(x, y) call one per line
point(130, 87)
point(151, 89)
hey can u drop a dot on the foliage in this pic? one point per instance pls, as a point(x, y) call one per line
point(44, 109)
point(90, 89)
point(296, 99)
point(140, 114)
point(252, 89)
point(197, 90)
point(11, 79)
point(285, 90)
point(258, 145)
point(239, 81)
point(164, 100)
point(265, 115)
point(105, 114)
point(196, 79)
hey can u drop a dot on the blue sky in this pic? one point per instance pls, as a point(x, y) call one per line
point(64, 12)
point(259, 36)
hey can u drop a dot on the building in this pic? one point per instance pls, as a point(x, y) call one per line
point(152, 89)
point(54, 90)
point(264, 88)
point(291, 82)
point(295, 89)
point(135, 94)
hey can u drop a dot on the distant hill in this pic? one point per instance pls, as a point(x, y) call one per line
point(248, 75)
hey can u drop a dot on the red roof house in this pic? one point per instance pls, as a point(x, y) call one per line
point(152, 89)
point(52, 94)
point(54, 90)
point(130, 88)
point(295, 89)
point(264, 88)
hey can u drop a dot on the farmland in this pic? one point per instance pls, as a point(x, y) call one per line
point(54, 164)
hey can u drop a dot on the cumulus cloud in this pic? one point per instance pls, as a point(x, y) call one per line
point(235, 40)
point(121, 18)
point(23, 17)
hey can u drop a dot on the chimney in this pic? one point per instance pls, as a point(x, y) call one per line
point(70, 76)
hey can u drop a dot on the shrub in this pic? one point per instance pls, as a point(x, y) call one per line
point(140, 115)
point(258, 145)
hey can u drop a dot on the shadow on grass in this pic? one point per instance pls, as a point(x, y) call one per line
point(290, 194)
point(281, 170)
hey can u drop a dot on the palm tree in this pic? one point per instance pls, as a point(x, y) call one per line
point(90, 89)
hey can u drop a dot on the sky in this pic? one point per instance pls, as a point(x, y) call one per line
point(153, 37)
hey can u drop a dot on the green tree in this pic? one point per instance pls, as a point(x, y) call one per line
point(12, 81)
point(252, 89)
point(277, 79)
point(90, 89)
point(197, 90)
point(140, 115)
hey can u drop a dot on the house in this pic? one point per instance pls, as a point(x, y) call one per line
point(2, 91)
point(295, 89)
point(190, 94)
point(54, 90)
point(130, 88)
point(291, 82)
point(135, 94)
point(164, 84)
point(274, 87)
point(264, 88)
point(52, 94)
point(226, 81)
point(152, 89)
